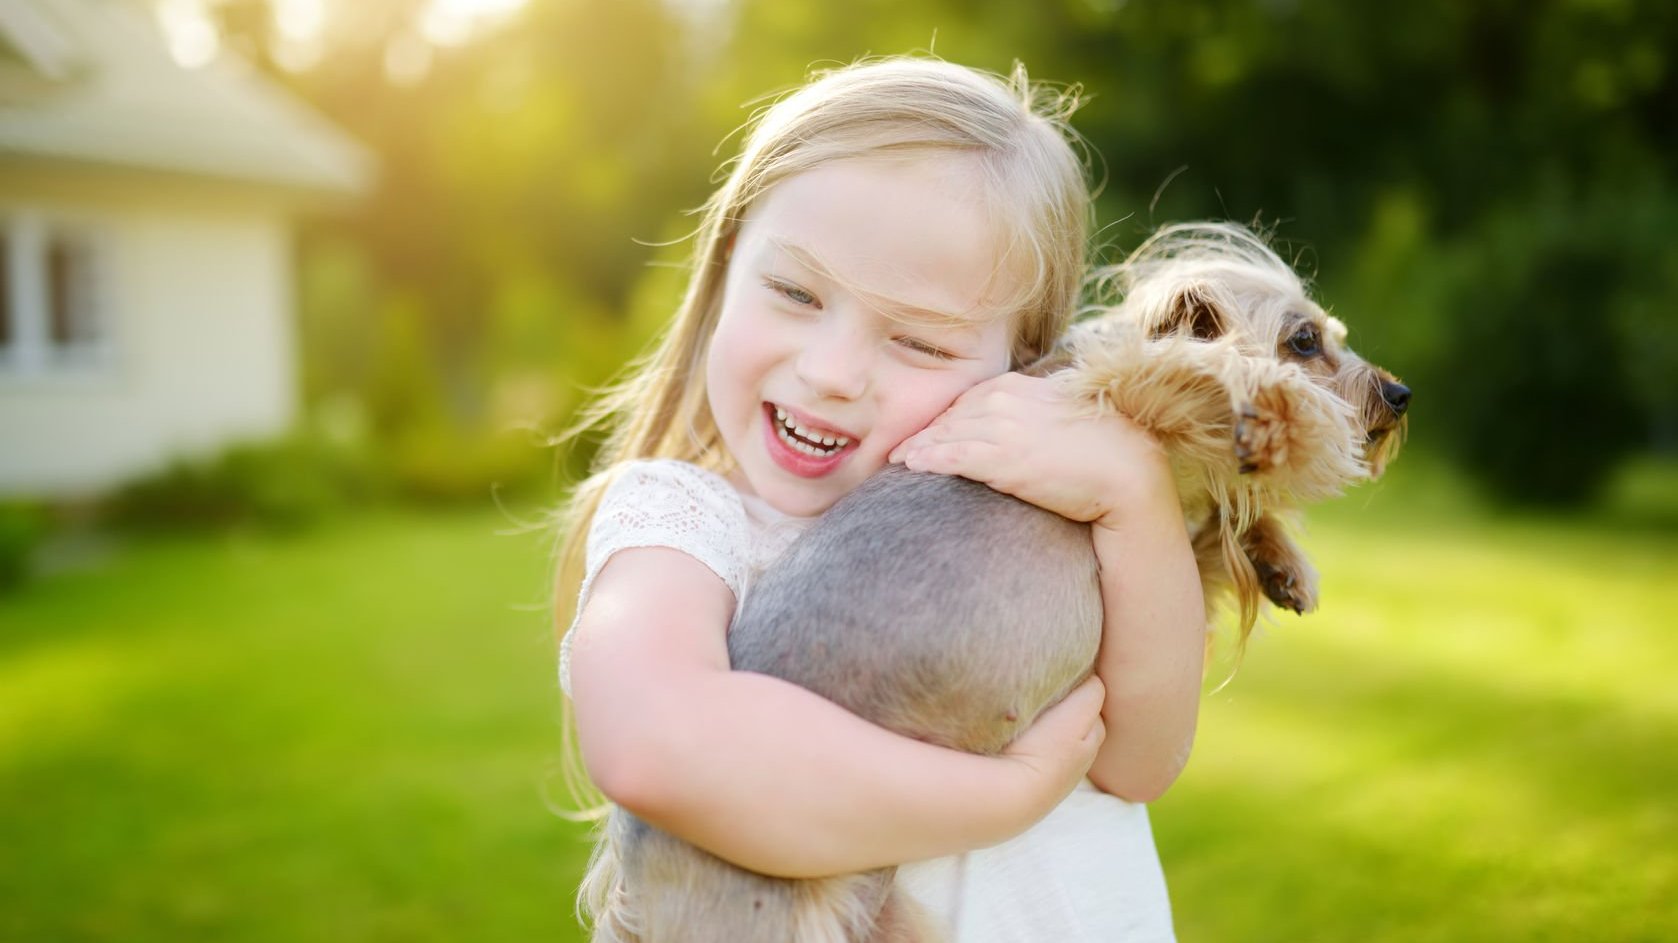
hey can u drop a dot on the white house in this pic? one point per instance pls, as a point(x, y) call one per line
point(145, 246)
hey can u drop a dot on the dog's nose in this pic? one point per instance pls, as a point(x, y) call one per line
point(1396, 395)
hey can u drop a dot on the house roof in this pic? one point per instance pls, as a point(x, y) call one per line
point(91, 81)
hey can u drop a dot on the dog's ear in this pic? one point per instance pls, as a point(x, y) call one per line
point(1192, 311)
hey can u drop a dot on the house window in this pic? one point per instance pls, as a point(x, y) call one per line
point(52, 315)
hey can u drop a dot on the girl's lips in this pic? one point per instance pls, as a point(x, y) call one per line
point(794, 461)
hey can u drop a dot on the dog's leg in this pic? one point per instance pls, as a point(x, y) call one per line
point(1289, 425)
point(1261, 429)
point(1277, 414)
point(1186, 393)
point(1177, 388)
point(1287, 578)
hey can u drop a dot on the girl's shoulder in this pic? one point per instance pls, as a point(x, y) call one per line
point(670, 487)
point(666, 502)
point(670, 504)
point(664, 474)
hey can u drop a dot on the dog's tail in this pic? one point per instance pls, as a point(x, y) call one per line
point(860, 908)
point(645, 886)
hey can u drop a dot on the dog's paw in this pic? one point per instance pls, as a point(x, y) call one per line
point(1288, 588)
point(1261, 440)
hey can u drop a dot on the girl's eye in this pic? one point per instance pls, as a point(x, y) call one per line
point(792, 293)
point(922, 347)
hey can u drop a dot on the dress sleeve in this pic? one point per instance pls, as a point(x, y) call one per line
point(664, 503)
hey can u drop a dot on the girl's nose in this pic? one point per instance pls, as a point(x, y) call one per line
point(836, 364)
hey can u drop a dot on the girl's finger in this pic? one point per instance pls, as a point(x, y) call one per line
point(968, 458)
point(1075, 717)
point(1088, 695)
point(991, 402)
point(1095, 736)
point(945, 431)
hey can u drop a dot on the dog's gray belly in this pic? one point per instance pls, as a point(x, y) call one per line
point(931, 605)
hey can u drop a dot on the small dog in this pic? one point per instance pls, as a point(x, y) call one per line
point(1216, 349)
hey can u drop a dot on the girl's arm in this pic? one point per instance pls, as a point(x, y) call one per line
point(1026, 437)
point(765, 774)
point(1153, 644)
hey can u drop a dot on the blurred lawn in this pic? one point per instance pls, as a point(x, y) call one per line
point(347, 736)
point(1475, 738)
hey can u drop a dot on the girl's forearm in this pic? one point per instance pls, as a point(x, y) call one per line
point(1152, 650)
point(778, 780)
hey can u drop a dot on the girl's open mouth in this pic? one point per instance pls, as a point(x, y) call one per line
point(805, 451)
point(809, 441)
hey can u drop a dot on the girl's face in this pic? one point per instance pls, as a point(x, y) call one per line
point(858, 305)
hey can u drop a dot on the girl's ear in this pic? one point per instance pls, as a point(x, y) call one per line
point(728, 245)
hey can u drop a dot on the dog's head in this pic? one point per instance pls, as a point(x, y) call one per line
point(1220, 282)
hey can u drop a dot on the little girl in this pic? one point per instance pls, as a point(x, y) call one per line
point(894, 238)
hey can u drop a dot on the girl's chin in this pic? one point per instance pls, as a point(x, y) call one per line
point(800, 506)
point(803, 497)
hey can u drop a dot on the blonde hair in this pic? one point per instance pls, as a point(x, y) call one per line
point(900, 107)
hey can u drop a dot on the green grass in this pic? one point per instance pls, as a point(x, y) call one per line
point(350, 736)
point(1475, 738)
point(347, 736)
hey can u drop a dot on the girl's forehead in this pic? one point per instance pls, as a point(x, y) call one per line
point(917, 234)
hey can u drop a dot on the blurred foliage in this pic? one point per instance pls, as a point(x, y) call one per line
point(1543, 406)
point(282, 485)
point(1486, 189)
point(23, 526)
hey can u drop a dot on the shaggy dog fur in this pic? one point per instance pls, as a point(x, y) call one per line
point(949, 612)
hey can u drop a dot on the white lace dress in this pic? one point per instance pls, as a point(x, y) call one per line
point(1087, 873)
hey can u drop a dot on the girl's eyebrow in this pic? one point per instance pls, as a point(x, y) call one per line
point(805, 258)
point(892, 307)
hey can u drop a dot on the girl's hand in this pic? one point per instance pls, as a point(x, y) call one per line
point(1028, 437)
point(1059, 746)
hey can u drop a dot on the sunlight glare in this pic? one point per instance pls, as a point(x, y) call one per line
point(189, 32)
point(299, 41)
point(407, 59)
point(299, 19)
point(452, 22)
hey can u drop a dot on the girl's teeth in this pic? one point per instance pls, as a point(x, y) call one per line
point(791, 426)
point(797, 445)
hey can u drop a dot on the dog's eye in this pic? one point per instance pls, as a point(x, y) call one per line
point(1306, 342)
